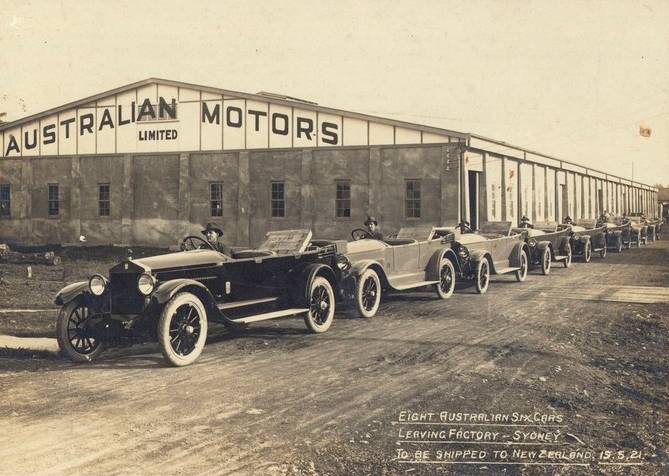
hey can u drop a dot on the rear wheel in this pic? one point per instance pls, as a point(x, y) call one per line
point(521, 274)
point(368, 293)
point(482, 276)
point(446, 283)
point(587, 252)
point(546, 259)
point(73, 338)
point(321, 306)
point(567, 261)
point(182, 329)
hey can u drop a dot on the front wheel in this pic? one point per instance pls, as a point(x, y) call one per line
point(521, 274)
point(446, 284)
point(321, 306)
point(546, 258)
point(482, 276)
point(368, 293)
point(74, 339)
point(619, 245)
point(602, 253)
point(587, 252)
point(182, 329)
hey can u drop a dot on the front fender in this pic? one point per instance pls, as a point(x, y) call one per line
point(71, 292)
point(563, 243)
point(514, 261)
point(168, 289)
point(307, 276)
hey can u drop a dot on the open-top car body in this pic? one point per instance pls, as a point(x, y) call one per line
point(586, 238)
point(419, 256)
point(172, 297)
point(650, 229)
point(493, 249)
point(546, 244)
point(620, 232)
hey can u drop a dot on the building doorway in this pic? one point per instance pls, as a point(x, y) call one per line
point(564, 203)
point(473, 197)
point(600, 202)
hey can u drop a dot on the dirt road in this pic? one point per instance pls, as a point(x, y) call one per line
point(589, 344)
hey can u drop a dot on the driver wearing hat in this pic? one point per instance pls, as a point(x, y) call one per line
point(373, 228)
point(214, 235)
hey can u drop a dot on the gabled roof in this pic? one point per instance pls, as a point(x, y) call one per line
point(271, 98)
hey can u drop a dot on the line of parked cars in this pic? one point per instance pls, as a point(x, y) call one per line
point(171, 298)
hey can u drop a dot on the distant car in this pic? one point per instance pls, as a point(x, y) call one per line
point(546, 244)
point(418, 256)
point(171, 298)
point(586, 238)
point(494, 249)
point(619, 232)
point(652, 230)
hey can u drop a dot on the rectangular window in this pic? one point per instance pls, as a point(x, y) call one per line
point(412, 199)
point(343, 199)
point(5, 200)
point(216, 199)
point(54, 200)
point(104, 200)
point(278, 199)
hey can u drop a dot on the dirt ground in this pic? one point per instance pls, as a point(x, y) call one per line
point(588, 344)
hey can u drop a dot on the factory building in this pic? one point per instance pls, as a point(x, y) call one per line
point(153, 161)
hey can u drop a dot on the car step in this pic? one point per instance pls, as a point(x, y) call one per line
point(248, 302)
point(404, 287)
point(505, 270)
point(272, 315)
point(560, 257)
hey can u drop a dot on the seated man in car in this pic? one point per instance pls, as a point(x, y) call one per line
point(214, 235)
point(373, 228)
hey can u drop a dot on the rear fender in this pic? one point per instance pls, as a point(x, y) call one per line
point(514, 260)
point(302, 289)
point(434, 265)
point(562, 244)
point(477, 256)
point(361, 266)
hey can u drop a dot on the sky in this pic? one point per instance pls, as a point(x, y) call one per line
point(572, 79)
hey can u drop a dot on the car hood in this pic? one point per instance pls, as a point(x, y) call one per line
point(576, 228)
point(467, 238)
point(360, 246)
point(181, 259)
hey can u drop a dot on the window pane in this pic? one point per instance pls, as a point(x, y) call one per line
point(104, 205)
point(5, 204)
point(412, 199)
point(278, 200)
point(216, 199)
point(54, 202)
point(343, 200)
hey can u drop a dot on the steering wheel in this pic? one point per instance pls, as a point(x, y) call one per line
point(189, 243)
point(464, 227)
point(361, 234)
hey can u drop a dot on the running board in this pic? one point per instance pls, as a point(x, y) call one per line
point(414, 285)
point(505, 270)
point(560, 258)
point(249, 302)
point(271, 315)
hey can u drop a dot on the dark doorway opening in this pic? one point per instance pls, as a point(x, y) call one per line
point(564, 200)
point(473, 200)
point(600, 202)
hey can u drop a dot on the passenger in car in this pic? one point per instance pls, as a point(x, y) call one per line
point(373, 228)
point(214, 235)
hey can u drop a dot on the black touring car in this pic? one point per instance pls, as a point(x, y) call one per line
point(171, 298)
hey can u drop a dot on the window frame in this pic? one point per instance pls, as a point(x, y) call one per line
point(339, 200)
point(7, 200)
point(102, 201)
point(212, 199)
point(51, 200)
point(281, 200)
point(408, 200)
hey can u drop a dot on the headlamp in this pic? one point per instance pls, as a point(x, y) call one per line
point(97, 285)
point(146, 283)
